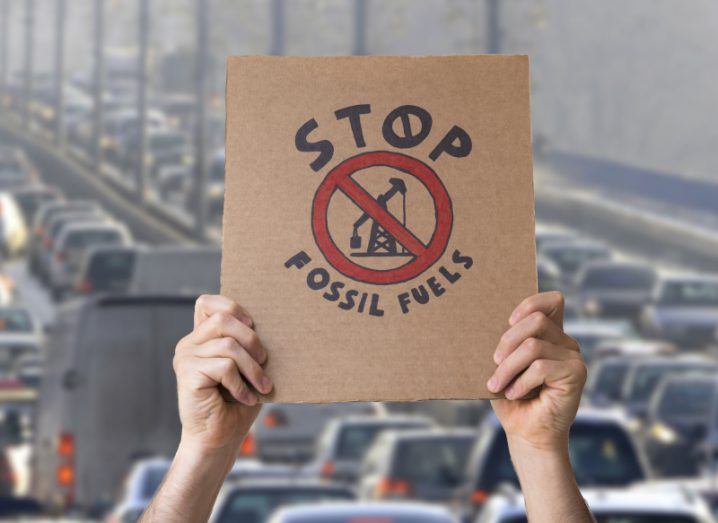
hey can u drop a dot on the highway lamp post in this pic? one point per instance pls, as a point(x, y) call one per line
point(201, 78)
point(4, 42)
point(360, 27)
point(277, 31)
point(493, 17)
point(29, 52)
point(142, 80)
point(60, 74)
point(99, 80)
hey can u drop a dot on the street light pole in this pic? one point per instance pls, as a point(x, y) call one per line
point(201, 72)
point(60, 74)
point(494, 26)
point(29, 51)
point(4, 42)
point(142, 78)
point(360, 27)
point(99, 80)
point(277, 31)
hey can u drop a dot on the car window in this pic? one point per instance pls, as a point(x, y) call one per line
point(256, 505)
point(647, 378)
point(355, 440)
point(618, 278)
point(15, 320)
point(111, 270)
point(601, 454)
point(609, 379)
point(433, 462)
point(686, 399)
point(569, 260)
point(81, 239)
point(689, 293)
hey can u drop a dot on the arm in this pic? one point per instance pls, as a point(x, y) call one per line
point(223, 349)
point(533, 353)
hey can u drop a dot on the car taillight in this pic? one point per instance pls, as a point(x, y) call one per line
point(65, 475)
point(39, 231)
point(249, 446)
point(66, 444)
point(327, 469)
point(84, 287)
point(275, 418)
point(60, 256)
point(479, 497)
point(388, 487)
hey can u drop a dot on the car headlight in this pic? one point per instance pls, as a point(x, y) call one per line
point(663, 433)
point(592, 307)
point(187, 159)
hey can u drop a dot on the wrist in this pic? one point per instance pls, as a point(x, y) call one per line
point(194, 446)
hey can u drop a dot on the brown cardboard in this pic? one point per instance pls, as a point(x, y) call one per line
point(277, 205)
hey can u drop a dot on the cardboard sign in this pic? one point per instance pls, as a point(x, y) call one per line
point(379, 219)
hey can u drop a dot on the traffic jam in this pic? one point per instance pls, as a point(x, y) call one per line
point(97, 288)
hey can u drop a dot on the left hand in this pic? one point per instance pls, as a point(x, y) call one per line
point(535, 352)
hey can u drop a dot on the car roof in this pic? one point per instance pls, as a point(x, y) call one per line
point(671, 277)
point(585, 416)
point(389, 419)
point(286, 483)
point(433, 433)
point(616, 264)
point(573, 244)
point(596, 327)
point(366, 509)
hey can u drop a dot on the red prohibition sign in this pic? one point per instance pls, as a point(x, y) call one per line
point(339, 178)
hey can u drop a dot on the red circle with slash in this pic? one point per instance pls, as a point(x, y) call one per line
point(339, 178)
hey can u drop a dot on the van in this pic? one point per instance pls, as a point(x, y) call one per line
point(108, 396)
point(180, 269)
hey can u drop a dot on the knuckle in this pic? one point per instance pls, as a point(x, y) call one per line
point(540, 366)
point(540, 321)
point(228, 344)
point(201, 301)
point(227, 366)
point(253, 338)
point(533, 346)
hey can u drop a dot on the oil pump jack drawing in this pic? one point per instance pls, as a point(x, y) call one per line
point(381, 242)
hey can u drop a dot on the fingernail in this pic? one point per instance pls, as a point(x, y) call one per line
point(491, 384)
point(248, 398)
point(247, 321)
point(266, 385)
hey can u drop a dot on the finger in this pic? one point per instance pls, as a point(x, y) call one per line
point(223, 371)
point(551, 373)
point(518, 361)
point(248, 367)
point(550, 303)
point(536, 325)
point(224, 325)
point(208, 304)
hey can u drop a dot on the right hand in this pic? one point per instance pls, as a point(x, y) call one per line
point(222, 350)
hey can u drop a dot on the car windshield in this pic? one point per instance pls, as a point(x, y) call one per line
point(570, 259)
point(151, 481)
point(631, 278)
point(256, 505)
point(601, 455)
point(374, 518)
point(609, 379)
point(354, 440)
point(81, 239)
point(15, 320)
point(686, 399)
point(111, 270)
point(689, 293)
point(647, 378)
point(435, 462)
point(627, 517)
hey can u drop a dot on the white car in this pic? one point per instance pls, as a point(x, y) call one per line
point(138, 488)
point(684, 309)
point(13, 230)
point(71, 246)
point(636, 504)
point(20, 334)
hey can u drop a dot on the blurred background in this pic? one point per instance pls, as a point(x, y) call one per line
point(111, 187)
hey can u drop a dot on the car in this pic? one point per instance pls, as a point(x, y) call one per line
point(15, 169)
point(289, 432)
point(29, 368)
point(344, 442)
point(20, 334)
point(164, 147)
point(254, 500)
point(602, 449)
point(425, 465)
point(614, 289)
point(45, 213)
point(684, 309)
point(31, 198)
point(572, 255)
point(138, 488)
point(549, 275)
point(7, 475)
point(637, 504)
point(645, 375)
point(405, 512)
point(156, 272)
point(107, 356)
point(546, 234)
point(71, 246)
point(633, 347)
point(679, 419)
point(106, 268)
point(244, 468)
point(703, 487)
point(606, 379)
point(590, 333)
point(13, 230)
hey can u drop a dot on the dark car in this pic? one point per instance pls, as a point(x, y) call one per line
point(425, 465)
point(571, 256)
point(606, 380)
point(364, 513)
point(254, 500)
point(601, 449)
point(107, 268)
point(678, 422)
point(609, 289)
point(344, 443)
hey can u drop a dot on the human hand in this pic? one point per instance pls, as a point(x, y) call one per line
point(222, 350)
point(535, 352)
